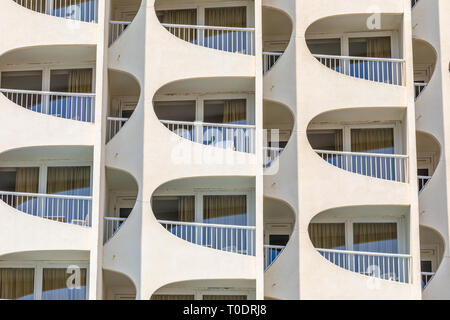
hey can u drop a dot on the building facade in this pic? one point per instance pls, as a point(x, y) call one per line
point(211, 150)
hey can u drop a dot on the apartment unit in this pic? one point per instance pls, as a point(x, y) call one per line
point(224, 150)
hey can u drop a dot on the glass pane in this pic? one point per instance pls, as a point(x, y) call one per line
point(174, 208)
point(175, 110)
point(375, 47)
point(73, 80)
point(59, 284)
point(326, 139)
point(17, 283)
point(327, 235)
point(278, 239)
point(230, 210)
point(184, 16)
point(375, 237)
point(74, 181)
point(225, 111)
point(8, 180)
point(235, 17)
point(22, 80)
point(325, 46)
point(373, 140)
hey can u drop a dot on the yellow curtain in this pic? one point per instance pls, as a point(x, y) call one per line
point(379, 47)
point(16, 283)
point(226, 17)
point(234, 111)
point(224, 297)
point(80, 80)
point(186, 209)
point(172, 297)
point(375, 237)
point(185, 16)
point(364, 140)
point(27, 180)
point(327, 235)
point(56, 278)
point(61, 179)
point(229, 207)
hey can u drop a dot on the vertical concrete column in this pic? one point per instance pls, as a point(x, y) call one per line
point(98, 167)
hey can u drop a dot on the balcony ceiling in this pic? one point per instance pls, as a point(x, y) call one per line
point(74, 153)
point(70, 255)
point(210, 183)
point(361, 115)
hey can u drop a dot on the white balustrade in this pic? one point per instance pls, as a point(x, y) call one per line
point(387, 266)
point(426, 278)
point(269, 60)
point(423, 180)
point(271, 154)
point(111, 226)
point(82, 10)
point(383, 166)
point(226, 136)
point(113, 126)
point(419, 87)
point(68, 209)
point(383, 70)
point(116, 28)
point(271, 253)
point(236, 40)
point(230, 238)
point(74, 106)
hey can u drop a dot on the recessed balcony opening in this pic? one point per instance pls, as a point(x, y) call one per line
point(425, 58)
point(55, 80)
point(217, 112)
point(428, 157)
point(278, 123)
point(208, 290)
point(369, 240)
point(279, 221)
point(215, 212)
point(81, 10)
point(345, 45)
point(124, 91)
point(276, 34)
point(53, 183)
point(121, 195)
point(122, 13)
point(229, 27)
point(432, 248)
point(368, 142)
point(118, 286)
point(44, 275)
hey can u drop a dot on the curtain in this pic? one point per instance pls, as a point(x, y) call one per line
point(224, 297)
point(16, 283)
point(226, 17)
point(27, 180)
point(69, 180)
point(379, 47)
point(231, 210)
point(373, 140)
point(54, 285)
point(172, 297)
point(185, 16)
point(338, 140)
point(375, 237)
point(80, 80)
point(234, 111)
point(186, 209)
point(327, 235)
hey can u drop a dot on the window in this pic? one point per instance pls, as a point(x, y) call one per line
point(17, 283)
point(235, 17)
point(278, 239)
point(22, 80)
point(325, 46)
point(183, 16)
point(230, 210)
point(326, 139)
point(73, 80)
point(57, 284)
point(327, 235)
point(75, 181)
point(375, 47)
point(174, 208)
point(380, 140)
point(175, 110)
point(225, 111)
point(375, 237)
point(24, 180)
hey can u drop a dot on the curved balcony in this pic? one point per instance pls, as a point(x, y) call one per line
point(72, 106)
point(432, 248)
point(425, 58)
point(116, 28)
point(269, 60)
point(81, 10)
point(428, 157)
point(271, 254)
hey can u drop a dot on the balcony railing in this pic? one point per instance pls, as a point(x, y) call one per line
point(271, 253)
point(270, 155)
point(236, 40)
point(269, 60)
point(382, 166)
point(73, 106)
point(113, 126)
point(68, 209)
point(82, 10)
point(413, 3)
point(116, 28)
point(426, 278)
point(235, 137)
point(387, 266)
point(230, 238)
point(423, 180)
point(112, 225)
point(383, 70)
point(419, 87)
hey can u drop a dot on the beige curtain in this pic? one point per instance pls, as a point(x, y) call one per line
point(80, 80)
point(56, 278)
point(172, 297)
point(186, 209)
point(61, 179)
point(327, 235)
point(338, 140)
point(224, 297)
point(227, 207)
point(379, 47)
point(375, 237)
point(16, 283)
point(364, 140)
point(27, 180)
point(234, 111)
point(185, 16)
point(226, 17)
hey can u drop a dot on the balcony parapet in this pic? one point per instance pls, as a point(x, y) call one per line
point(419, 87)
point(423, 181)
point(111, 226)
point(116, 28)
point(271, 254)
point(269, 60)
